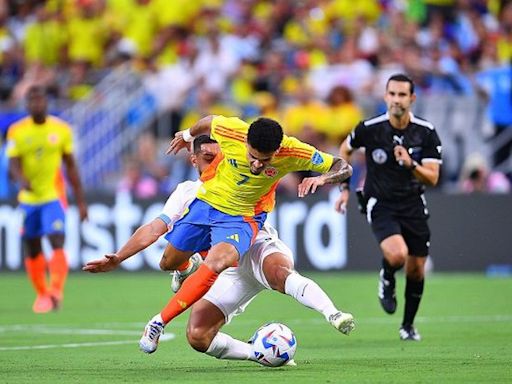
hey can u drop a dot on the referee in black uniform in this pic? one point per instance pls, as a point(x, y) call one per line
point(403, 155)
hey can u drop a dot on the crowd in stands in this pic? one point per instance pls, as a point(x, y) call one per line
point(317, 66)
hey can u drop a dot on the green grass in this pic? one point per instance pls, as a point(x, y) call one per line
point(465, 321)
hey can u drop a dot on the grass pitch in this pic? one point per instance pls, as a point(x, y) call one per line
point(465, 321)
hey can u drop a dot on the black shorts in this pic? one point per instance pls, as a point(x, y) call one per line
point(408, 219)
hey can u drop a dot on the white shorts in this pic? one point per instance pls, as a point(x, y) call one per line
point(235, 287)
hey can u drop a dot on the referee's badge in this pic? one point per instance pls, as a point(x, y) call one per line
point(379, 156)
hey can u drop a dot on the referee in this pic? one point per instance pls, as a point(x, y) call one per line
point(403, 155)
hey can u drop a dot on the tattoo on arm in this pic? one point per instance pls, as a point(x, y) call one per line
point(339, 172)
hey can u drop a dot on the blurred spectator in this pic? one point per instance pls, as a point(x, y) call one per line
point(476, 177)
point(304, 117)
point(144, 175)
point(250, 57)
point(496, 85)
point(134, 181)
point(342, 115)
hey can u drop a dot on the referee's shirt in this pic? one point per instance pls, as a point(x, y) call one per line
point(385, 178)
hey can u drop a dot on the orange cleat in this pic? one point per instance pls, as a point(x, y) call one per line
point(56, 298)
point(43, 304)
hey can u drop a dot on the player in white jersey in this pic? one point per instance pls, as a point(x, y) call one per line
point(268, 264)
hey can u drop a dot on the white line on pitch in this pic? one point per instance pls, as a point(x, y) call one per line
point(81, 345)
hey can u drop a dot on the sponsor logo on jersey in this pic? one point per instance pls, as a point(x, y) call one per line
point(317, 158)
point(233, 162)
point(379, 156)
point(270, 171)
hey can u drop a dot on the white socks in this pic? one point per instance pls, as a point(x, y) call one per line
point(308, 293)
point(224, 346)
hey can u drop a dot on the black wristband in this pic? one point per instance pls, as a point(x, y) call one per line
point(414, 164)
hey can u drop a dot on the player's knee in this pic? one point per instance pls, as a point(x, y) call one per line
point(276, 277)
point(198, 338)
point(164, 264)
point(397, 256)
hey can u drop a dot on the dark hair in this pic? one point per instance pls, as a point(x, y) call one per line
point(36, 90)
point(265, 135)
point(200, 140)
point(402, 78)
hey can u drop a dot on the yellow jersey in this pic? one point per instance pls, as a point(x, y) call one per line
point(40, 148)
point(229, 185)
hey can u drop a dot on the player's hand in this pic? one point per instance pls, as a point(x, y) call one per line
point(25, 185)
point(402, 156)
point(108, 263)
point(310, 184)
point(340, 205)
point(177, 144)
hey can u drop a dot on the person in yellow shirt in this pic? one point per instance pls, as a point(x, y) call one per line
point(343, 115)
point(231, 205)
point(37, 146)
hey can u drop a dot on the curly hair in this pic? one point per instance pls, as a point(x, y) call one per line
point(265, 135)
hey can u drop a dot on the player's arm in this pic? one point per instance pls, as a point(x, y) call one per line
point(427, 170)
point(340, 171)
point(16, 173)
point(74, 179)
point(427, 173)
point(143, 237)
point(341, 202)
point(182, 138)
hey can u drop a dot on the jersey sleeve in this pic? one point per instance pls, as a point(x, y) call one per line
point(178, 202)
point(67, 142)
point(228, 129)
point(432, 149)
point(305, 157)
point(356, 138)
point(12, 149)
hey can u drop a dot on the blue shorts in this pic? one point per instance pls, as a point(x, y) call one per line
point(204, 226)
point(43, 219)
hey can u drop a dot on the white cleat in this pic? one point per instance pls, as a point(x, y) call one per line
point(291, 363)
point(178, 277)
point(343, 322)
point(148, 343)
point(409, 333)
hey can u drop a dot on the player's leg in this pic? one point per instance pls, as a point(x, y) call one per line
point(388, 233)
point(53, 219)
point(230, 238)
point(395, 252)
point(417, 236)
point(35, 265)
point(203, 334)
point(415, 281)
point(172, 260)
point(280, 276)
point(35, 261)
point(229, 296)
point(220, 257)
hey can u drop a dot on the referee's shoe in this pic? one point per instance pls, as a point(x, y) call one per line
point(387, 296)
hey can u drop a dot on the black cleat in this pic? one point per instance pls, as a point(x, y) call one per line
point(408, 332)
point(387, 296)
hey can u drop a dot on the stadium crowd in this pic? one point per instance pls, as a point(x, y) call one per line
point(318, 66)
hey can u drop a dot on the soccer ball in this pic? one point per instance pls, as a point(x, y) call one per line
point(273, 344)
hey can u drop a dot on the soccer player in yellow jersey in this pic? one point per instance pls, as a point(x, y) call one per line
point(36, 147)
point(232, 204)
